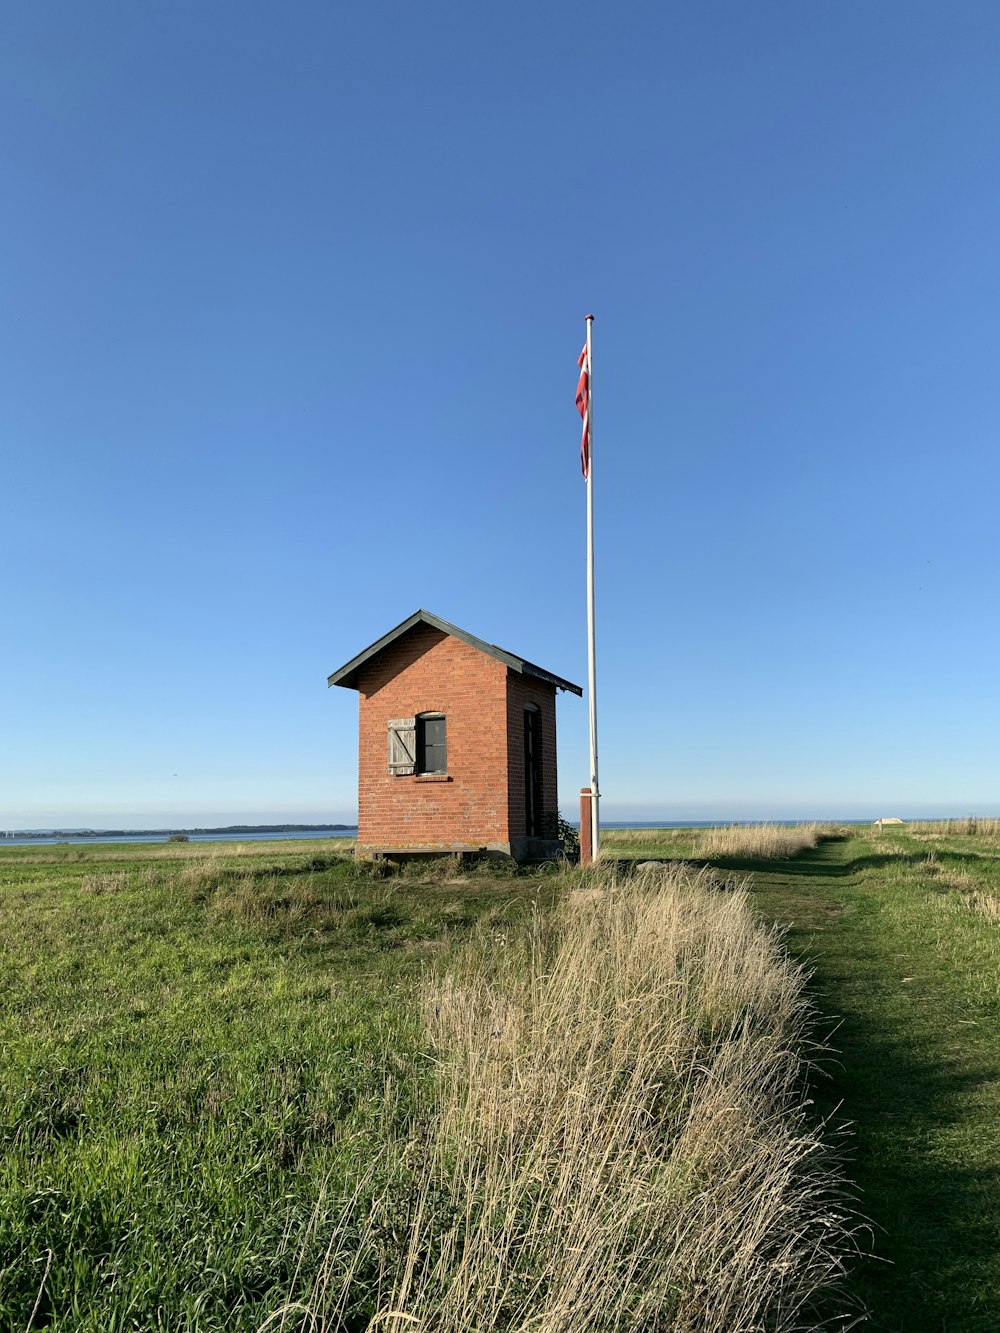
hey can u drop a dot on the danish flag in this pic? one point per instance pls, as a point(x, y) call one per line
point(583, 406)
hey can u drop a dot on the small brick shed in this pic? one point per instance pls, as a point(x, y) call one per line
point(457, 744)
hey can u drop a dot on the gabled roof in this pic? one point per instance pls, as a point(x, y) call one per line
point(348, 673)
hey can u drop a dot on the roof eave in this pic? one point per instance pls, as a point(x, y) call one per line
point(347, 675)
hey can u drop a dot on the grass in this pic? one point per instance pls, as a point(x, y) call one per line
point(195, 1046)
point(739, 841)
point(616, 1136)
point(768, 841)
point(900, 929)
point(906, 963)
point(970, 827)
point(259, 1085)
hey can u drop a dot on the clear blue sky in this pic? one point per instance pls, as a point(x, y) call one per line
point(293, 295)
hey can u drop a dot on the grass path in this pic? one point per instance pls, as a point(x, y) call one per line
point(912, 976)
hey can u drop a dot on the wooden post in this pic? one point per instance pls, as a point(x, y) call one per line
point(586, 826)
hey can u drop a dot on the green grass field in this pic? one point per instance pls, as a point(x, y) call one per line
point(195, 1045)
point(204, 1049)
point(902, 932)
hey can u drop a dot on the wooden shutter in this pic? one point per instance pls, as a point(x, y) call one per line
point(402, 746)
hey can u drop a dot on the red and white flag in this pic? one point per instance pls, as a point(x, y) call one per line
point(583, 407)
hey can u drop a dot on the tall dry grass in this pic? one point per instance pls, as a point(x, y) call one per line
point(619, 837)
point(969, 826)
point(617, 1136)
point(769, 842)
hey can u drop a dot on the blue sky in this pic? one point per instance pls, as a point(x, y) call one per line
point(293, 297)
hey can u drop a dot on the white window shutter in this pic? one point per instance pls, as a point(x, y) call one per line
point(402, 746)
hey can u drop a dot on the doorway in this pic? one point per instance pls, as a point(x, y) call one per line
point(532, 771)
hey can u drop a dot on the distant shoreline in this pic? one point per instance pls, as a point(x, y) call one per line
point(229, 832)
point(168, 832)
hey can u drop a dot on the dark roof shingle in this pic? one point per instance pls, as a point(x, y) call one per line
point(347, 675)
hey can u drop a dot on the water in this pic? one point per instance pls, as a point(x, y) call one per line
point(353, 832)
point(86, 840)
point(724, 823)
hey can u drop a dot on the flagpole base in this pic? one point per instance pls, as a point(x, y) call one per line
point(586, 827)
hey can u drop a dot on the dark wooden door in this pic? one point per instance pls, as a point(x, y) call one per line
point(532, 773)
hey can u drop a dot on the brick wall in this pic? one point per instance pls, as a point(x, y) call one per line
point(430, 672)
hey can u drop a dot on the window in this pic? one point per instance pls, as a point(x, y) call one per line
point(418, 745)
point(432, 743)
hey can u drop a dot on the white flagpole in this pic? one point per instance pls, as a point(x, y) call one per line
point(595, 795)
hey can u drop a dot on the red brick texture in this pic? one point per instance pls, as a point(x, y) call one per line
point(480, 802)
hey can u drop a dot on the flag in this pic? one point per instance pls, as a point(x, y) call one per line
point(583, 407)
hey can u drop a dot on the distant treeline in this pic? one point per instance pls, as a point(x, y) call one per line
point(165, 832)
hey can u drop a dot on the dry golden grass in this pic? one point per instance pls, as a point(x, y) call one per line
point(984, 904)
point(255, 849)
point(769, 842)
point(974, 894)
point(619, 837)
point(110, 881)
point(970, 826)
point(884, 847)
point(97, 852)
point(120, 880)
point(617, 1137)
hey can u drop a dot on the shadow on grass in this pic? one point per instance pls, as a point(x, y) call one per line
point(925, 1159)
point(935, 1224)
point(820, 863)
point(816, 862)
point(946, 857)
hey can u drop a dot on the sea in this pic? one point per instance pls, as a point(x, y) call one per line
point(85, 839)
point(18, 840)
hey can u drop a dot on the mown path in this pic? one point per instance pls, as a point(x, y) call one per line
point(917, 1076)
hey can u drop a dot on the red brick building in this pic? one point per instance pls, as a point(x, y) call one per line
point(457, 744)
